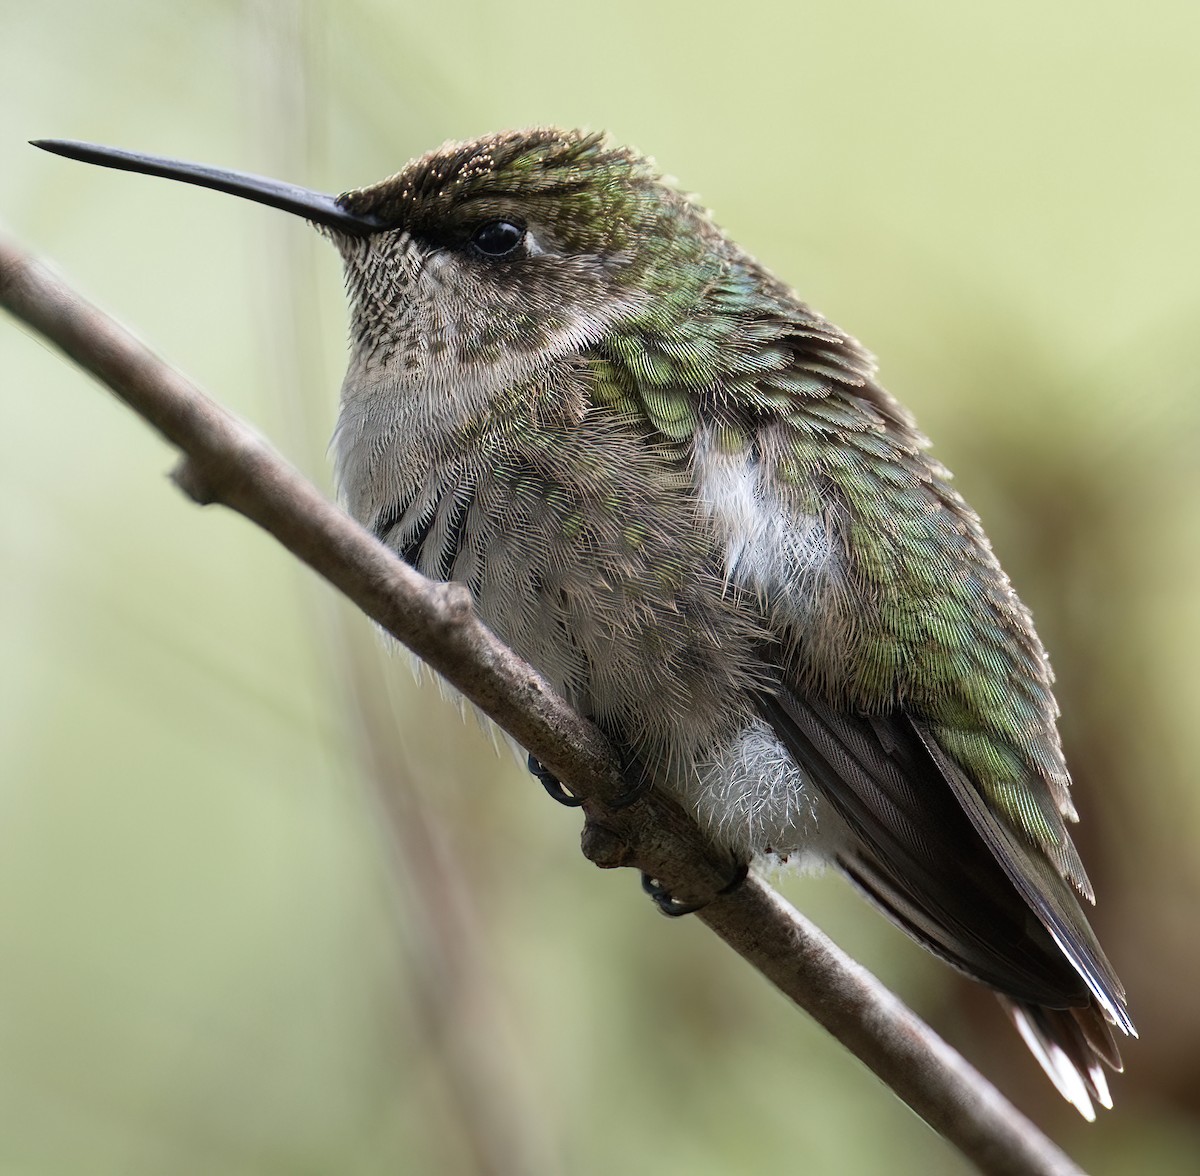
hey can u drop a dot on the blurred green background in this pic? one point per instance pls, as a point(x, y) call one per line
point(268, 907)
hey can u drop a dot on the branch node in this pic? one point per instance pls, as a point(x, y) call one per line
point(189, 477)
point(604, 846)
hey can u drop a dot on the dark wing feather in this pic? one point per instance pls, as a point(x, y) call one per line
point(918, 854)
point(1038, 884)
point(942, 865)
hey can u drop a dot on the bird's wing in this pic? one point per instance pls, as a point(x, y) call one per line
point(921, 851)
point(915, 853)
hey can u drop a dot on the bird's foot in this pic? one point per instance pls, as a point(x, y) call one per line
point(554, 788)
point(552, 784)
point(673, 908)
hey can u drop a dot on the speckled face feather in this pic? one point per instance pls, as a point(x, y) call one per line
point(597, 220)
point(682, 494)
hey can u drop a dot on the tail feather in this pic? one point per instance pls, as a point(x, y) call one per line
point(1069, 1044)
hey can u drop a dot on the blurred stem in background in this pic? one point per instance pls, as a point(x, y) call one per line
point(470, 1066)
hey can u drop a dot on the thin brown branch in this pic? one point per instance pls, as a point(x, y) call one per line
point(226, 461)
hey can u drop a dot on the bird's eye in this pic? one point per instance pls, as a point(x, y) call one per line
point(498, 238)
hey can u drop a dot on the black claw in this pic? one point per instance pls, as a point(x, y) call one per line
point(673, 908)
point(669, 906)
point(552, 784)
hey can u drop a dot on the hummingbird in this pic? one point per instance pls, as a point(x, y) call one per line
point(683, 495)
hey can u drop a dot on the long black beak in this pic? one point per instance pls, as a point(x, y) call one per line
point(313, 206)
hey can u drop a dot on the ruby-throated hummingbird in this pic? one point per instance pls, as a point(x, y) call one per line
point(682, 495)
